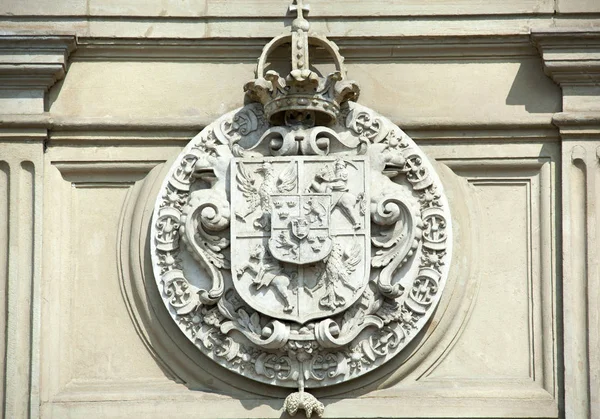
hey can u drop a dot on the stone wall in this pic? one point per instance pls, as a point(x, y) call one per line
point(96, 95)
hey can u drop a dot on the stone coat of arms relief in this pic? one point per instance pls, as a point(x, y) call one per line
point(302, 240)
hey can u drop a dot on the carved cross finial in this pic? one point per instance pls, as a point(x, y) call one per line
point(299, 8)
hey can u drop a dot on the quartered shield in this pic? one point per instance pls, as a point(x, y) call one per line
point(300, 234)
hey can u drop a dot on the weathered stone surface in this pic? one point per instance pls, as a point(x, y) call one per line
point(86, 333)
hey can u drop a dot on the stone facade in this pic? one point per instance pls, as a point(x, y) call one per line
point(98, 100)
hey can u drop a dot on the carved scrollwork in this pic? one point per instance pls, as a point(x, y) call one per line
point(281, 367)
point(314, 141)
point(167, 229)
point(416, 172)
point(183, 175)
point(329, 335)
point(181, 295)
point(273, 335)
point(395, 244)
point(368, 127)
point(424, 289)
point(327, 365)
point(201, 218)
point(434, 228)
point(242, 129)
point(302, 195)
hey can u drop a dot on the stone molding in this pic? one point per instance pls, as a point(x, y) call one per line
point(73, 123)
point(273, 9)
point(571, 56)
point(578, 125)
point(390, 48)
point(40, 61)
point(572, 59)
point(33, 62)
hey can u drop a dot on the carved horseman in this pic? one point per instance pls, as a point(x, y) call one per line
point(267, 272)
point(335, 181)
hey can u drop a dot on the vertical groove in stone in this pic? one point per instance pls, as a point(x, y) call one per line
point(33, 258)
point(576, 290)
point(594, 287)
point(4, 203)
point(20, 279)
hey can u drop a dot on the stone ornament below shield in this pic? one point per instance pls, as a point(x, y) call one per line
point(302, 240)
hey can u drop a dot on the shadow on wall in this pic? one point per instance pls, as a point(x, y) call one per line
point(534, 90)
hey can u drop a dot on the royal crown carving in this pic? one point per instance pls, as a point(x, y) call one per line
point(302, 93)
point(302, 240)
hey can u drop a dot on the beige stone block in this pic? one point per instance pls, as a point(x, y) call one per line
point(319, 8)
point(187, 8)
point(371, 26)
point(111, 350)
point(578, 6)
point(468, 91)
point(138, 89)
point(50, 25)
point(145, 28)
point(271, 8)
point(21, 101)
point(382, 8)
point(43, 7)
point(581, 98)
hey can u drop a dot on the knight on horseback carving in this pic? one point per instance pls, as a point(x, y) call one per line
point(334, 180)
point(267, 272)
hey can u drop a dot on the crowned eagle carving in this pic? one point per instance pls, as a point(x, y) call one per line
point(258, 194)
point(339, 265)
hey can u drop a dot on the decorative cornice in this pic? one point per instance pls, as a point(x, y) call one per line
point(571, 56)
point(168, 130)
point(33, 62)
point(194, 124)
point(578, 125)
point(580, 119)
point(400, 48)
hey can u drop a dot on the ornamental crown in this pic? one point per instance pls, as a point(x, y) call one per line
point(302, 90)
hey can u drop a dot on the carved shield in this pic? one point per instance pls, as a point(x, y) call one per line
point(300, 234)
point(300, 228)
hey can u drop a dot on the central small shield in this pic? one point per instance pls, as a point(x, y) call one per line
point(300, 227)
point(300, 234)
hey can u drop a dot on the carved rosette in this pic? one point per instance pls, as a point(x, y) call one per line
point(276, 310)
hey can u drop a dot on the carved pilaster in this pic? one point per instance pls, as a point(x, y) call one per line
point(572, 60)
point(20, 274)
point(29, 66)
